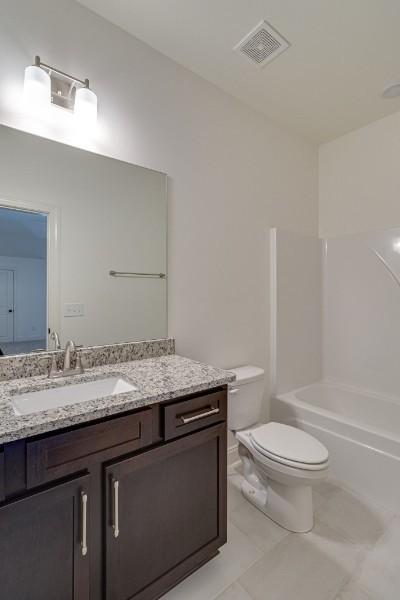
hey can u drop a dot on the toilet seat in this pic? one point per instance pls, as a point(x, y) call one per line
point(289, 446)
point(289, 463)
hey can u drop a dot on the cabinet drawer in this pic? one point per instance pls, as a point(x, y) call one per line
point(194, 413)
point(2, 475)
point(66, 453)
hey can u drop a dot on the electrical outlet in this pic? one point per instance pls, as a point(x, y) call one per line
point(74, 310)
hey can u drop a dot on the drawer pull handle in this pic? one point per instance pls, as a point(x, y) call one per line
point(116, 508)
point(208, 413)
point(84, 500)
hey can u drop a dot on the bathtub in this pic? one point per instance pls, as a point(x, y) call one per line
point(360, 429)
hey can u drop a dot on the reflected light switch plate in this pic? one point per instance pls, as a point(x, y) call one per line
point(74, 310)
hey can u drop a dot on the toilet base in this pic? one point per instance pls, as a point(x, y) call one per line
point(281, 492)
point(290, 507)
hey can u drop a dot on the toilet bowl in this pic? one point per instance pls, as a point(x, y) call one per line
point(280, 463)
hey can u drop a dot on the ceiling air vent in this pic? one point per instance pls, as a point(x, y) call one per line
point(262, 44)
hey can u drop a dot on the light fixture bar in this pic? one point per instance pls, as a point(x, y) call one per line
point(38, 63)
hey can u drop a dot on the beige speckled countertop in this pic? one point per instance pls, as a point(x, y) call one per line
point(157, 380)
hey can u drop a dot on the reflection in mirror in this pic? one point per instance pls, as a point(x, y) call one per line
point(82, 247)
point(23, 281)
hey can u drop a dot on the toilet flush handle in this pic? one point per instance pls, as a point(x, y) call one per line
point(233, 391)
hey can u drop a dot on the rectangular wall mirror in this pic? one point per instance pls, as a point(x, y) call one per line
point(83, 245)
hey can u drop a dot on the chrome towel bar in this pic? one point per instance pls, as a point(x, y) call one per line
point(131, 274)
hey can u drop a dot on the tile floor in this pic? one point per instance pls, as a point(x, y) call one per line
point(353, 553)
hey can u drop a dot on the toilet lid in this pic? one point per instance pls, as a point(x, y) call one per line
point(289, 443)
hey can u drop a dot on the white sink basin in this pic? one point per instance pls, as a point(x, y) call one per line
point(33, 402)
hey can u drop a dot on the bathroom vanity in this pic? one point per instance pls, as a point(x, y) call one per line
point(126, 500)
point(104, 495)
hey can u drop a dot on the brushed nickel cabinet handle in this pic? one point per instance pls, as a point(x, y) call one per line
point(116, 508)
point(84, 500)
point(203, 415)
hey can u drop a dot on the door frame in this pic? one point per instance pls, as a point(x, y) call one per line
point(11, 269)
point(53, 213)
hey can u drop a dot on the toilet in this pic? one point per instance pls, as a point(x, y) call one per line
point(280, 463)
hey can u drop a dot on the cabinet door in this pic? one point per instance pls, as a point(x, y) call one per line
point(43, 555)
point(166, 513)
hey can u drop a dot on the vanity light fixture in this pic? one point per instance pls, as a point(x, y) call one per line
point(45, 85)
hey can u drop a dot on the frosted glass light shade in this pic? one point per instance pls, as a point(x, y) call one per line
point(37, 87)
point(85, 106)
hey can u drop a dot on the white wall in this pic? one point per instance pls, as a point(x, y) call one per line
point(362, 311)
point(336, 310)
point(233, 173)
point(359, 191)
point(297, 309)
point(359, 180)
point(30, 296)
point(339, 300)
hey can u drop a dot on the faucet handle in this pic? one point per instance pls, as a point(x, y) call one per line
point(54, 371)
point(79, 366)
point(56, 339)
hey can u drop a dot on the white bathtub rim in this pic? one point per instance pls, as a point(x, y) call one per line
point(338, 434)
point(385, 501)
point(333, 383)
point(291, 399)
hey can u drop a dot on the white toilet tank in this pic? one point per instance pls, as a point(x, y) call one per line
point(245, 396)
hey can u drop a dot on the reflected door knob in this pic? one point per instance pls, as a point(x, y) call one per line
point(10, 310)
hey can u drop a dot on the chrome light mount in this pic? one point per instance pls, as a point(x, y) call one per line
point(63, 86)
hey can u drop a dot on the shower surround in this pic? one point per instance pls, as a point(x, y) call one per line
point(336, 329)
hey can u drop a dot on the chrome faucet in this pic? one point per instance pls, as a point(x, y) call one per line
point(67, 370)
point(56, 339)
point(70, 347)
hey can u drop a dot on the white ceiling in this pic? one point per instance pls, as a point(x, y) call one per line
point(343, 53)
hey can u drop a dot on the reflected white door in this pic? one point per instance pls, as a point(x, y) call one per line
point(6, 305)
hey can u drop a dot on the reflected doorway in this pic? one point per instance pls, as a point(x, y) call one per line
point(23, 281)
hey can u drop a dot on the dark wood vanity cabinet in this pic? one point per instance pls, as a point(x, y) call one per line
point(44, 542)
point(2, 478)
point(122, 509)
point(166, 514)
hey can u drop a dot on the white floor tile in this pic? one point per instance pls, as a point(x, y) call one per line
point(318, 499)
point(234, 592)
point(353, 553)
point(238, 555)
point(352, 592)
point(263, 532)
point(379, 574)
point(313, 566)
point(353, 518)
point(327, 488)
point(235, 468)
point(235, 496)
point(332, 544)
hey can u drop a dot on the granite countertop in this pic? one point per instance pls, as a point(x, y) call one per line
point(157, 379)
